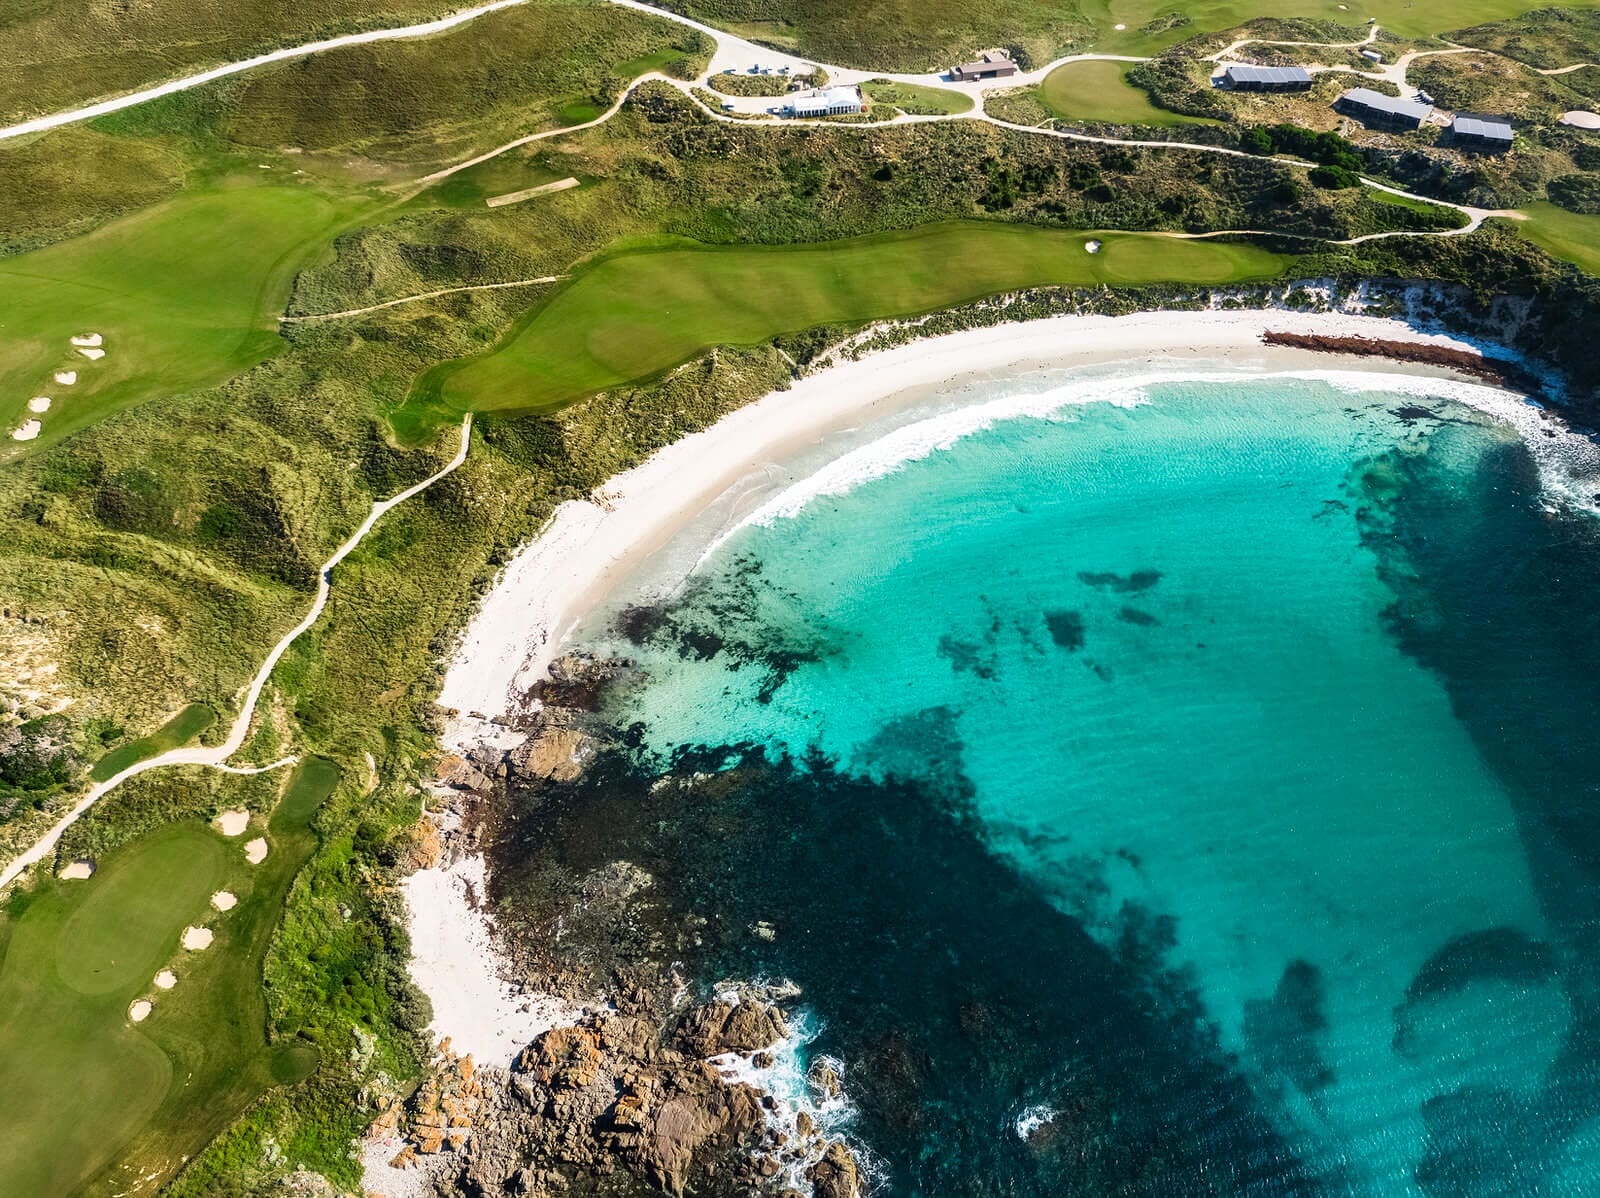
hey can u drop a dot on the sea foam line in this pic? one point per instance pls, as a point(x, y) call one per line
point(1569, 463)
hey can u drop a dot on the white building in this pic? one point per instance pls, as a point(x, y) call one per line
point(829, 101)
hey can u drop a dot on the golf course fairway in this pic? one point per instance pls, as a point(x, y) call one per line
point(634, 314)
point(78, 954)
point(182, 296)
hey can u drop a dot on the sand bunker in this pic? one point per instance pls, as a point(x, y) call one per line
point(39, 403)
point(233, 822)
point(256, 851)
point(224, 900)
point(88, 340)
point(94, 355)
point(66, 377)
point(77, 871)
point(27, 432)
point(1092, 246)
point(195, 939)
point(140, 1011)
point(166, 979)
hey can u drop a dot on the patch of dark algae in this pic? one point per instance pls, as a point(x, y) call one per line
point(955, 995)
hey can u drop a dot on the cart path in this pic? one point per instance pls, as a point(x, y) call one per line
point(411, 299)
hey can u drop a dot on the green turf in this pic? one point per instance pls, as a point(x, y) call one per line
point(1568, 235)
point(179, 730)
point(184, 294)
point(633, 315)
point(918, 100)
point(95, 1102)
point(1407, 18)
point(1100, 91)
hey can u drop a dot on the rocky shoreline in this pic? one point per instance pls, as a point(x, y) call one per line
point(656, 1092)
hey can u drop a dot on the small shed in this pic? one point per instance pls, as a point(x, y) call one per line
point(1381, 111)
point(991, 64)
point(1244, 77)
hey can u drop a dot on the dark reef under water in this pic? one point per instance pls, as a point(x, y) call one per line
point(959, 992)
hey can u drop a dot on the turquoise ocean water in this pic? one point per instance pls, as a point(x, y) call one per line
point(1184, 792)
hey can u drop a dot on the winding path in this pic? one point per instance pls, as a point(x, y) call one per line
point(216, 757)
point(411, 299)
point(118, 103)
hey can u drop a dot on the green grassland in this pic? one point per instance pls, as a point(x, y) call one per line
point(179, 730)
point(56, 54)
point(1152, 25)
point(1548, 37)
point(1100, 92)
point(184, 295)
point(917, 100)
point(633, 315)
point(1572, 236)
point(85, 1086)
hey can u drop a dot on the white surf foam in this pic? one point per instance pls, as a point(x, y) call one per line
point(1569, 463)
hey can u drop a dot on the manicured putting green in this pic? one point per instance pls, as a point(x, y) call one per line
point(1568, 235)
point(94, 1103)
point(79, 1078)
point(635, 314)
point(179, 730)
point(1099, 91)
point(184, 295)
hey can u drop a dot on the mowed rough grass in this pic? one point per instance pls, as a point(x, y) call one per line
point(916, 99)
point(1100, 91)
point(184, 294)
point(179, 730)
point(94, 1102)
point(1571, 236)
point(633, 315)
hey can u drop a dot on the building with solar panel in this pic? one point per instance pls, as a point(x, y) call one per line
point(1242, 77)
point(1381, 111)
point(1471, 131)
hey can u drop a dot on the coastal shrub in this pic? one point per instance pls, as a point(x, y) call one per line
point(1576, 193)
point(1333, 178)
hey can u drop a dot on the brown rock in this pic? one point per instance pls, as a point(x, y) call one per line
point(557, 754)
point(835, 1175)
point(563, 1058)
point(719, 1027)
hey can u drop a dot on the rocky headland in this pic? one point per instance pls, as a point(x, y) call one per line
point(656, 1090)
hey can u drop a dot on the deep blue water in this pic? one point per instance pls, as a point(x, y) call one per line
point(1187, 796)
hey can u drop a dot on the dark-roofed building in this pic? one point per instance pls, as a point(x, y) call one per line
point(1243, 77)
point(1381, 111)
point(1471, 131)
point(991, 64)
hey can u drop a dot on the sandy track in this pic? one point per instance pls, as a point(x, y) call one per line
point(411, 299)
point(118, 103)
point(217, 756)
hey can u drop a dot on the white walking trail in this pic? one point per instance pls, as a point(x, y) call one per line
point(217, 756)
point(118, 103)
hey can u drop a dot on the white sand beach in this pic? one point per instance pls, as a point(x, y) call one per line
point(591, 546)
point(454, 961)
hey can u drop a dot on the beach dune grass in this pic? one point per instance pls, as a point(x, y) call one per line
point(184, 295)
point(179, 730)
point(633, 315)
point(93, 1102)
point(1099, 91)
